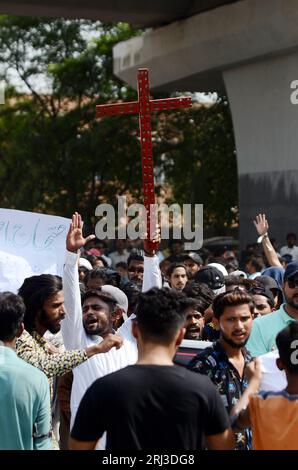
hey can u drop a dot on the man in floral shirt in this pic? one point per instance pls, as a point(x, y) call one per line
point(225, 361)
point(44, 301)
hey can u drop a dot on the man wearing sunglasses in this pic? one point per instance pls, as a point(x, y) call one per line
point(266, 328)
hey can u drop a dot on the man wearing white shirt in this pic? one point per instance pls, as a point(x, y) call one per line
point(273, 379)
point(79, 330)
point(121, 254)
point(290, 248)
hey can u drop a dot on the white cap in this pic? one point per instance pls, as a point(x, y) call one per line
point(118, 295)
point(84, 263)
point(220, 267)
point(239, 273)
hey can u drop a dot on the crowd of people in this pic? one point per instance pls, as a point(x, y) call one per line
point(88, 361)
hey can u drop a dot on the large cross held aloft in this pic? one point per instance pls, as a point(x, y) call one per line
point(144, 107)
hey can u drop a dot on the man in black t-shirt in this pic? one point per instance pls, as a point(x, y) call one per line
point(154, 405)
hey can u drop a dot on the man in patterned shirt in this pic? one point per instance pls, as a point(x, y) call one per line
point(225, 361)
point(44, 301)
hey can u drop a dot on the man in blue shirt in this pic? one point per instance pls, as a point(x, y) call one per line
point(24, 390)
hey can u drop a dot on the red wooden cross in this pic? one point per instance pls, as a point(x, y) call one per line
point(144, 107)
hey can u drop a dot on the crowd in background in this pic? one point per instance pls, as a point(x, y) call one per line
point(114, 312)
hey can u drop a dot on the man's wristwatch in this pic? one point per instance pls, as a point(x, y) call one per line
point(260, 239)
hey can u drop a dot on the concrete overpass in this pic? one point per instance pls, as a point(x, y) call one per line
point(247, 48)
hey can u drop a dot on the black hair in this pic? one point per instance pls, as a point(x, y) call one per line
point(257, 262)
point(132, 292)
point(135, 255)
point(35, 291)
point(91, 259)
point(104, 296)
point(104, 262)
point(108, 275)
point(160, 314)
point(291, 234)
point(260, 290)
point(12, 311)
point(97, 273)
point(174, 266)
point(287, 345)
point(121, 264)
point(201, 292)
point(232, 299)
point(233, 280)
point(191, 302)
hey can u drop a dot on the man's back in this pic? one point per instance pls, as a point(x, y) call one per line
point(151, 407)
point(281, 432)
point(24, 403)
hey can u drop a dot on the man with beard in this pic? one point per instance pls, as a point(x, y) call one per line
point(266, 328)
point(194, 320)
point(90, 321)
point(44, 301)
point(177, 276)
point(225, 361)
point(135, 267)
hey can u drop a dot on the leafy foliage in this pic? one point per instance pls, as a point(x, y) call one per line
point(201, 165)
point(56, 157)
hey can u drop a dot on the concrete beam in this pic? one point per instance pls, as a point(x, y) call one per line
point(183, 55)
point(265, 127)
point(139, 13)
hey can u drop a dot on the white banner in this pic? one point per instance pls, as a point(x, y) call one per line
point(30, 244)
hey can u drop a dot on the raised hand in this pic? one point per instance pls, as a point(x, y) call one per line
point(74, 238)
point(261, 224)
point(152, 246)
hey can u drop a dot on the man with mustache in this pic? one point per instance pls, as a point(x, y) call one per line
point(194, 319)
point(177, 276)
point(90, 321)
point(266, 328)
point(45, 311)
point(44, 301)
point(225, 361)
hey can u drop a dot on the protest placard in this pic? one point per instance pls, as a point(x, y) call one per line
point(30, 244)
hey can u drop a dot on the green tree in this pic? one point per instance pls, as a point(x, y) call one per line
point(56, 157)
point(200, 162)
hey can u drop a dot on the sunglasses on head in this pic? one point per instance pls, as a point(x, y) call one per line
point(293, 282)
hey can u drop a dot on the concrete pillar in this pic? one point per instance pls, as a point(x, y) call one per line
point(266, 133)
point(247, 48)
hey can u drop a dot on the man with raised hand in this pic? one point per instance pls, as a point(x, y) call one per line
point(89, 322)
